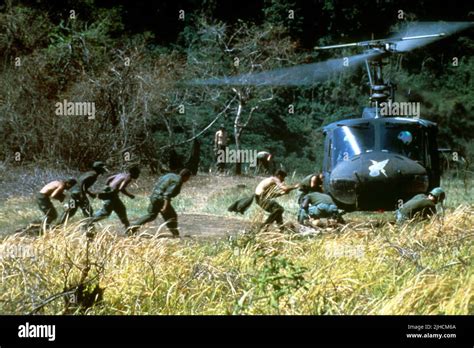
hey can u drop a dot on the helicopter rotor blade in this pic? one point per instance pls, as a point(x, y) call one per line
point(299, 75)
point(352, 44)
point(419, 34)
point(414, 35)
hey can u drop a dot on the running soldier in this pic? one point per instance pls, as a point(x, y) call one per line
point(167, 187)
point(316, 205)
point(55, 190)
point(79, 192)
point(268, 189)
point(110, 196)
point(421, 206)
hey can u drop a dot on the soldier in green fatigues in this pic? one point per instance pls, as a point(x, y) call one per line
point(318, 205)
point(79, 192)
point(167, 187)
point(311, 183)
point(421, 206)
point(265, 163)
point(54, 189)
point(110, 196)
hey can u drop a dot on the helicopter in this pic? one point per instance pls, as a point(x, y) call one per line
point(383, 158)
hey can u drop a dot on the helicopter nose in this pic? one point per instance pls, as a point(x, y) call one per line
point(377, 180)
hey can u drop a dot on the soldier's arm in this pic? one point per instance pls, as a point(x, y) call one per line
point(305, 204)
point(166, 204)
point(85, 188)
point(287, 189)
point(170, 189)
point(109, 179)
point(58, 193)
point(92, 194)
point(123, 188)
point(314, 181)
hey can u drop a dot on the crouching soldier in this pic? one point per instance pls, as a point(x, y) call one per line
point(268, 189)
point(318, 205)
point(116, 184)
point(55, 190)
point(167, 187)
point(264, 163)
point(311, 183)
point(79, 192)
point(421, 206)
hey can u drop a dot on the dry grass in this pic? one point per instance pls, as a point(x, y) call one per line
point(369, 266)
point(421, 269)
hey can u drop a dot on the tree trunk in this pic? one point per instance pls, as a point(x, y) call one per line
point(237, 134)
point(194, 157)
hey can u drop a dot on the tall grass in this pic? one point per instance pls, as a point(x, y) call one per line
point(417, 269)
point(369, 266)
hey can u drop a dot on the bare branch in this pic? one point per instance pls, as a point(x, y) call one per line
point(204, 130)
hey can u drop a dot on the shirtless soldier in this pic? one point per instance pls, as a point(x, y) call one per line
point(115, 184)
point(268, 189)
point(54, 189)
point(220, 143)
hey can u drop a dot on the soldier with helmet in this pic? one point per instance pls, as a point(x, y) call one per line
point(317, 205)
point(167, 187)
point(309, 184)
point(265, 163)
point(421, 206)
point(79, 192)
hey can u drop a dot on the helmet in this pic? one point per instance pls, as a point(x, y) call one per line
point(99, 166)
point(438, 192)
point(405, 137)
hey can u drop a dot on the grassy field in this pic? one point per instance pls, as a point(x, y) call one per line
point(369, 266)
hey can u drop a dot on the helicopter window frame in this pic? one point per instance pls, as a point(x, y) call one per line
point(328, 163)
point(428, 162)
point(348, 137)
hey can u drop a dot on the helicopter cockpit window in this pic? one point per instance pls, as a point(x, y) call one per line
point(352, 141)
point(405, 140)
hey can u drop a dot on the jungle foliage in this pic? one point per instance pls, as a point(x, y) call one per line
point(134, 61)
